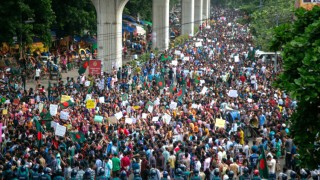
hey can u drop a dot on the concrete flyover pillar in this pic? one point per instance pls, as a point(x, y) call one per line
point(198, 12)
point(109, 17)
point(206, 9)
point(160, 26)
point(187, 24)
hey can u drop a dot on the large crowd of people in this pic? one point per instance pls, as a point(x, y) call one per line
point(210, 113)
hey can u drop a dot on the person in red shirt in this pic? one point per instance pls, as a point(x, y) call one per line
point(125, 162)
point(242, 78)
point(123, 130)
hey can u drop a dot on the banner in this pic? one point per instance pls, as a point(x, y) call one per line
point(65, 98)
point(90, 104)
point(95, 67)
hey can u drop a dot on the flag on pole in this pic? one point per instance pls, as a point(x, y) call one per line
point(83, 67)
point(263, 168)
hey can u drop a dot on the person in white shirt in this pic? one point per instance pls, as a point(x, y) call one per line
point(37, 76)
point(271, 166)
point(206, 164)
point(197, 165)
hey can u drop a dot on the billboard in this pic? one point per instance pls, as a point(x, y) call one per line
point(95, 67)
point(308, 4)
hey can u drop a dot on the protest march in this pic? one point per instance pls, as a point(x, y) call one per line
point(205, 109)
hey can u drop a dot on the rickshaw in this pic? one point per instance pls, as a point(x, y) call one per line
point(54, 72)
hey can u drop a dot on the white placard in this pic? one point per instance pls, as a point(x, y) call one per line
point(187, 58)
point(128, 120)
point(101, 99)
point(202, 81)
point(198, 44)
point(150, 108)
point(155, 119)
point(40, 107)
point(175, 62)
point(249, 100)
point(173, 105)
point(194, 106)
point(60, 130)
point(144, 115)
point(118, 115)
point(233, 93)
point(166, 118)
point(87, 83)
point(88, 96)
point(177, 52)
point(64, 115)
point(53, 109)
point(53, 124)
point(156, 102)
point(236, 58)
point(204, 90)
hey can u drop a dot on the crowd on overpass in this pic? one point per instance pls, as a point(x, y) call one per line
point(203, 110)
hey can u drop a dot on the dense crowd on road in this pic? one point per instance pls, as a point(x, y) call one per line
point(210, 113)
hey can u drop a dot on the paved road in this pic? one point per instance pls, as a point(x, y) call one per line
point(45, 82)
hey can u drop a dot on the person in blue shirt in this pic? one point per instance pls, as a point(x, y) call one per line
point(262, 119)
point(253, 159)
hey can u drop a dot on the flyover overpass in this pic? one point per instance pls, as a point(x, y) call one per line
point(109, 25)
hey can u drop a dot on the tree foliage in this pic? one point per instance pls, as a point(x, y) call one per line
point(300, 44)
point(267, 17)
point(141, 7)
point(15, 13)
point(74, 16)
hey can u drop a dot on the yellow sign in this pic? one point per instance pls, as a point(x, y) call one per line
point(65, 98)
point(90, 104)
point(220, 123)
point(5, 111)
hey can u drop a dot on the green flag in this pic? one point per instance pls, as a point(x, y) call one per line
point(196, 78)
point(77, 136)
point(160, 82)
point(165, 57)
point(46, 116)
point(39, 131)
point(263, 168)
point(181, 93)
point(172, 88)
point(67, 104)
point(83, 67)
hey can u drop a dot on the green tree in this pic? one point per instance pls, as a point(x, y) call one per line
point(267, 17)
point(300, 45)
point(141, 7)
point(43, 16)
point(74, 16)
point(16, 13)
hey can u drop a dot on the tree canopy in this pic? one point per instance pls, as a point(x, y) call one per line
point(16, 13)
point(300, 45)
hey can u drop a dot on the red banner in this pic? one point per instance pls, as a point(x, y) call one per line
point(95, 67)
